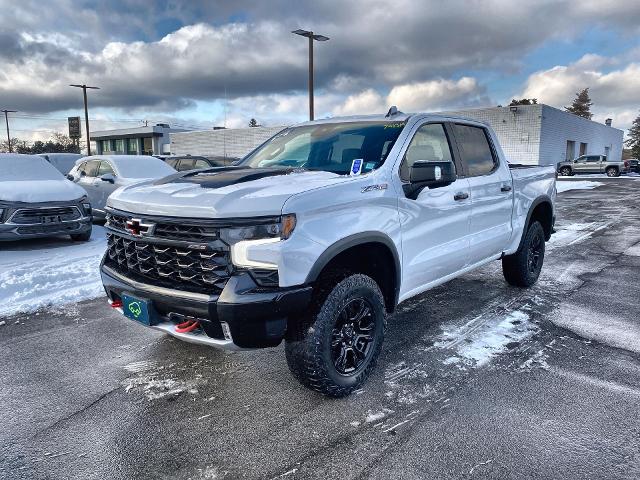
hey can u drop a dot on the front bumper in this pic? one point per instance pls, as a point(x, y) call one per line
point(243, 316)
point(11, 230)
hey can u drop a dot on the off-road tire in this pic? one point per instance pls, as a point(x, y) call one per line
point(517, 268)
point(565, 171)
point(612, 172)
point(308, 346)
point(81, 237)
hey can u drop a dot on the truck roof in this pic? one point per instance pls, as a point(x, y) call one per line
point(399, 117)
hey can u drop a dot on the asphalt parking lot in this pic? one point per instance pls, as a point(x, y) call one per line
point(476, 380)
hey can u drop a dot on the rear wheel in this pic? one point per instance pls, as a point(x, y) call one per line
point(522, 269)
point(565, 171)
point(612, 172)
point(336, 347)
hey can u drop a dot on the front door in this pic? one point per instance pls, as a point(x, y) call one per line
point(88, 173)
point(435, 225)
point(491, 193)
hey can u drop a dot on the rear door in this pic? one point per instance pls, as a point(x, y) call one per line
point(435, 225)
point(593, 164)
point(491, 190)
point(185, 164)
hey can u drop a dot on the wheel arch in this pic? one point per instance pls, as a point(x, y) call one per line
point(371, 253)
point(540, 210)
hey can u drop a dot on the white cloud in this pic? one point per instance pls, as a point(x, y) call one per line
point(614, 92)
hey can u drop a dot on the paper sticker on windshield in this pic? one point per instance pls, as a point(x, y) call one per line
point(356, 167)
point(438, 172)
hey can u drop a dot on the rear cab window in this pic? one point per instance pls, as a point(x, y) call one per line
point(475, 150)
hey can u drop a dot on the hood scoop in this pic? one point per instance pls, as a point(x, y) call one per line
point(220, 177)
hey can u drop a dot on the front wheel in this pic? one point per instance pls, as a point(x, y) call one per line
point(565, 171)
point(335, 349)
point(523, 268)
point(612, 172)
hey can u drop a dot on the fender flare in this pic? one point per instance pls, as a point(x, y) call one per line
point(538, 201)
point(351, 241)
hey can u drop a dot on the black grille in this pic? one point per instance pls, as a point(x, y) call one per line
point(33, 216)
point(170, 231)
point(50, 229)
point(176, 267)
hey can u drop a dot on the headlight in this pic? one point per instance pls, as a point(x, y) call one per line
point(250, 245)
point(1, 214)
point(278, 230)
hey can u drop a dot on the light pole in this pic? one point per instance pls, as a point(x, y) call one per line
point(86, 112)
point(320, 38)
point(6, 120)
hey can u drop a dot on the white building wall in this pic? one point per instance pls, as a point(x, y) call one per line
point(518, 132)
point(236, 142)
point(559, 126)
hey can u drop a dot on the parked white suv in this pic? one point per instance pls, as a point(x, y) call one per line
point(320, 232)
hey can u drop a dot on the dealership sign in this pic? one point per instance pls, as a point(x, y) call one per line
point(74, 127)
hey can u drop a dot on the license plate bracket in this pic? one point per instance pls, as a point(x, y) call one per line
point(138, 309)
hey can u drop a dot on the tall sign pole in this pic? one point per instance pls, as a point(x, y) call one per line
point(86, 112)
point(6, 120)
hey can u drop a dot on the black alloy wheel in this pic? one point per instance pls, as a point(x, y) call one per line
point(352, 336)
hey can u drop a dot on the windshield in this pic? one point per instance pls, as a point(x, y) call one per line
point(26, 167)
point(331, 147)
point(143, 167)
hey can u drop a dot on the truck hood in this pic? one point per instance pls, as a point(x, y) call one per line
point(37, 191)
point(225, 192)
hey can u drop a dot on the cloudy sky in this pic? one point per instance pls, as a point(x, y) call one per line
point(205, 63)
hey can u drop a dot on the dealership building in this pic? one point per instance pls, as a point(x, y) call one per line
point(529, 134)
point(147, 140)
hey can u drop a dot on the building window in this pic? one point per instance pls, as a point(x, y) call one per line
point(606, 151)
point(583, 149)
point(132, 146)
point(119, 145)
point(571, 151)
point(147, 146)
point(105, 145)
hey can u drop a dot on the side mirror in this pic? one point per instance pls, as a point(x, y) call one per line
point(429, 174)
point(108, 177)
point(70, 177)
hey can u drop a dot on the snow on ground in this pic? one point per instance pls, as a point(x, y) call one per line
point(481, 339)
point(38, 273)
point(565, 186)
point(572, 233)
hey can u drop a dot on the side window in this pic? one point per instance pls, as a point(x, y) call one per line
point(91, 168)
point(105, 168)
point(172, 162)
point(475, 150)
point(186, 165)
point(429, 144)
point(81, 169)
point(593, 159)
point(201, 164)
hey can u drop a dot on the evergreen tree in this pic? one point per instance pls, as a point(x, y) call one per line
point(253, 123)
point(581, 106)
point(633, 142)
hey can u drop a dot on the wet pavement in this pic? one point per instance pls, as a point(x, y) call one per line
point(476, 380)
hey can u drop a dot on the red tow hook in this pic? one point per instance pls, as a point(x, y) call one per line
point(187, 326)
point(116, 304)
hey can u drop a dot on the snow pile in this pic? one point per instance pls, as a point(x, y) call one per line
point(38, 273)
point(478, 341)
point(567, 185)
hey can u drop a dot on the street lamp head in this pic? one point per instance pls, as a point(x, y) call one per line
point(309, 34)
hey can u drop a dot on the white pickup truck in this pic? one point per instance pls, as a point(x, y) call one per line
point(319, 233)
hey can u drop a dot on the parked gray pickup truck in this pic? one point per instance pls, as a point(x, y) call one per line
point(591, 164)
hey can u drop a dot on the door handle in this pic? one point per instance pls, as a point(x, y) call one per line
point(460, 196)
point(506, 188)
